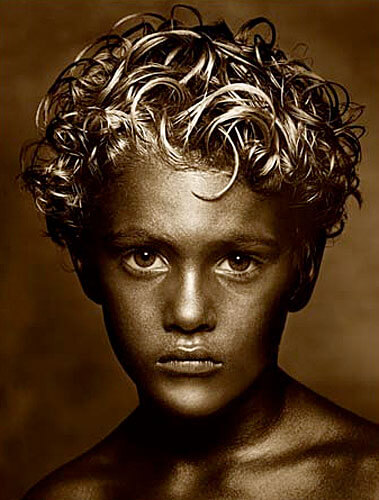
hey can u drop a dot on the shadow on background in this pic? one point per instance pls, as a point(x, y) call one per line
point(61, 388)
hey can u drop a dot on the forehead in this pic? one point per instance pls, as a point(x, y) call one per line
point(154, 197)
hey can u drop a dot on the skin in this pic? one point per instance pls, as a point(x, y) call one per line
point(175, 273)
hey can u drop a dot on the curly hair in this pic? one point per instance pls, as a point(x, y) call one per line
point(193, 96)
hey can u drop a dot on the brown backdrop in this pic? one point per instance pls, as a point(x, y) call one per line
point(61, 388)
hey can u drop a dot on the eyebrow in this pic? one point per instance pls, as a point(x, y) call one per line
point(133, 235)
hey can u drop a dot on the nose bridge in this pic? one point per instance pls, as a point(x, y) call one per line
point(190, 307)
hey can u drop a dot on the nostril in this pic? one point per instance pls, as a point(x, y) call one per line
point(189, 318)
point(173, 327)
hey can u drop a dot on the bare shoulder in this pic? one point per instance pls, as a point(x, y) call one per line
point(322, 420)
point(80, 479)
point(344, 446)
point(57, 486)
point(84, 478)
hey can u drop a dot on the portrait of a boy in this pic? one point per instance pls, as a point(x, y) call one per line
point(195, 174)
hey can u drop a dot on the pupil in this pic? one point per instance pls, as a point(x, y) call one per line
point(239, 262)
point(144, 258)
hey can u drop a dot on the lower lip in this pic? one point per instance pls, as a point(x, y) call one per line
point(189, 367)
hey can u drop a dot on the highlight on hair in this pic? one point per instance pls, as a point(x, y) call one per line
point(199, 97)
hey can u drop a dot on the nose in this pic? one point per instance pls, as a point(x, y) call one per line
point(189, 304)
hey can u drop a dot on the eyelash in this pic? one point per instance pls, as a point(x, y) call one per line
point(135, 268)
point(254, 263)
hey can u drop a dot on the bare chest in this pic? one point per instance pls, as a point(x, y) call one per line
point(280, 480)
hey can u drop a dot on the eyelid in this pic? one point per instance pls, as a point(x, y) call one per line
point(254, 265)
point(128, 260)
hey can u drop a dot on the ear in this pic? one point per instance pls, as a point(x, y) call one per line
point(86, 272)
point(307, 274)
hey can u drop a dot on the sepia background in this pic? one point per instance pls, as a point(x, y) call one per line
point(61, 389)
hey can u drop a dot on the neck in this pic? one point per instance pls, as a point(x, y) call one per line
point(246, 419)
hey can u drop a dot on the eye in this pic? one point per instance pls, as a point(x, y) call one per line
point(237, 264)
point(144, 260)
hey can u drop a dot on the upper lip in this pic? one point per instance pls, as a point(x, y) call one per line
point(190, 353)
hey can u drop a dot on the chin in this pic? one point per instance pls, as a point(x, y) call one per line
point(190, 403)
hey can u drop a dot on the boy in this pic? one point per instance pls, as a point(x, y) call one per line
point(195, 177)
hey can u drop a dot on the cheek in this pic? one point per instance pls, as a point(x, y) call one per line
point(127, 307)
point(257, 319)
point(130, 321)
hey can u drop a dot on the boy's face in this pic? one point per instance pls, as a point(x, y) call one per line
point(194, 293)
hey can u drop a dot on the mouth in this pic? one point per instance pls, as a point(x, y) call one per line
point(188, 362)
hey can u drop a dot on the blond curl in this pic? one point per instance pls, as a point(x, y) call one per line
point(197, 95)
